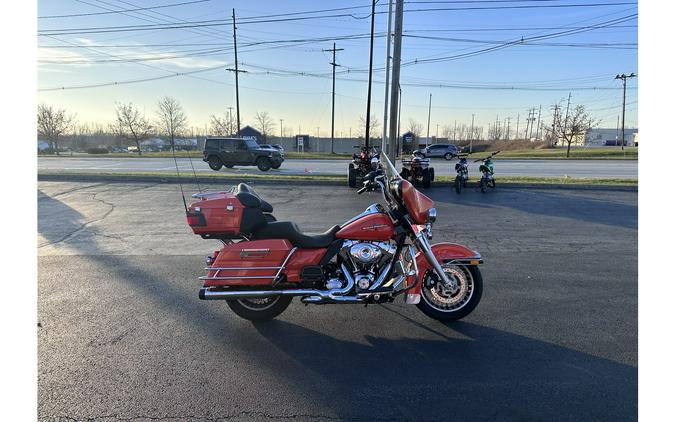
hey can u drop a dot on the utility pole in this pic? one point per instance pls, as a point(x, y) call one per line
point(428, 120)
point(398, 129)
point(556, 120)
point(517, 123)
point(229, 121)
point(623, 77)
point(454, 132)
point(281, 122)
point(370, 73)
point(317, 132)
point(332, 120)
point(436, 132)
point(236, 70)
point(530, 123)
point(508, 127)
point(471, 135)
point(567, 113)
point(395, 77)
point(538, 123)
point(386, 84)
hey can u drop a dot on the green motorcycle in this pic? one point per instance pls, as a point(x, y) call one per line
point(488, 171)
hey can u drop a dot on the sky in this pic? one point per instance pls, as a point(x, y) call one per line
point(590, 43)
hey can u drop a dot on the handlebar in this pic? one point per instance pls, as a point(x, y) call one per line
point(489, 156)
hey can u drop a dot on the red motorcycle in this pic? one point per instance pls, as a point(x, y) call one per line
point(380, 254)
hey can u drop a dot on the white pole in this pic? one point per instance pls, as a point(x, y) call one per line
point(386, 82)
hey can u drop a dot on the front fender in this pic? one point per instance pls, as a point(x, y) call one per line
point(444, 253)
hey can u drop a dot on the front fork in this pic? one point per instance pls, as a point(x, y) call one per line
point(423, 244)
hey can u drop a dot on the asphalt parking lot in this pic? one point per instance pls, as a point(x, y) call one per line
point(123, 336)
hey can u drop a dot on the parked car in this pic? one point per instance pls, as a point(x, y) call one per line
point(273, 147)
point(446, 151)
point(230, 152)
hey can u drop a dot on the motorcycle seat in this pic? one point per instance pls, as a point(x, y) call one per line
point(250, 198)
point(290, 231)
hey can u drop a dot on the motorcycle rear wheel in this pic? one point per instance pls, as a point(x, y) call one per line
point(260, 310)
point(438, 303)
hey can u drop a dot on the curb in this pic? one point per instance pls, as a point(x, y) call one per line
point(56, 177)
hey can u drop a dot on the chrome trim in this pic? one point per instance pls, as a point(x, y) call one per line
point(372, 209)
point(283, 264)
point(380, 279)
point(245, 253)
point(247, 277)
point(240, 268)
point(428, 253)
point(207, 293)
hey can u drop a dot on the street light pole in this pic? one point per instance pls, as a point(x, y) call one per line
point(623, 77)
point(471, 135)
point(428, 120)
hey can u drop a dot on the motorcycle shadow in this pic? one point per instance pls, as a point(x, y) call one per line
point(466, 370)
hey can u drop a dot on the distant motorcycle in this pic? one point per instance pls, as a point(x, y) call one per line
point(362, 163)
point(487, 168)
point(462, 169)
point(417, 169)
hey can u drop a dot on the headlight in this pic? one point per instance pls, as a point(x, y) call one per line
point(432, 215)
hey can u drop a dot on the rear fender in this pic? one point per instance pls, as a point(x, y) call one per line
point(444, 253)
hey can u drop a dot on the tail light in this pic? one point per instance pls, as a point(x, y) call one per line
point(196, 219)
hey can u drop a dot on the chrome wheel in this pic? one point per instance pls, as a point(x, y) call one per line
point(260, 304)
point(439, 296)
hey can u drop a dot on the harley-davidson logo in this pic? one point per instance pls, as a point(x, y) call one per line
point(375, 227)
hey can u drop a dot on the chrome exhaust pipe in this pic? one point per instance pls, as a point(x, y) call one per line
point(206, 293)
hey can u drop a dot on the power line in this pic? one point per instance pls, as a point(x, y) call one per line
point(133, 81)
point(75, 15)
point(259, 20)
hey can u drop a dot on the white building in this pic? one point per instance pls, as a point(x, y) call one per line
point(599, 137)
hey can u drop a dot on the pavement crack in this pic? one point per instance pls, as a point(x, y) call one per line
point(82, 227)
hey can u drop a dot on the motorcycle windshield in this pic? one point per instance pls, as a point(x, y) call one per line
point(388, 167)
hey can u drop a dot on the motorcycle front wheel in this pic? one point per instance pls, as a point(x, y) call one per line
point(260, 310)
point(439, 303)
point(458, 184)
point(483, 185)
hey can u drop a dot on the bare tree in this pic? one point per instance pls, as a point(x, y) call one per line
point(448, 132)
point(53, 124)
point(170, 118)
point(265, 124)
point(131, 124)
point(415, 127)
point(374, 124)
point(223, 126)
point(573, 126)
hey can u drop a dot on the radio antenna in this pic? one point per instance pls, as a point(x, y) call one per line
point(193, 172)
point(182, 194)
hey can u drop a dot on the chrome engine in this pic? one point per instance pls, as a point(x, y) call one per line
point(367, 260)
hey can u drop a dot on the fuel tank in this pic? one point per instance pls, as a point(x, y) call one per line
point(376, 227)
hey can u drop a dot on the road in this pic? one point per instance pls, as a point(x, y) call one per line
point(123, 336)
point(606, 169)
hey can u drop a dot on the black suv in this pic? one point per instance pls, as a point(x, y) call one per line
point(230, 152)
